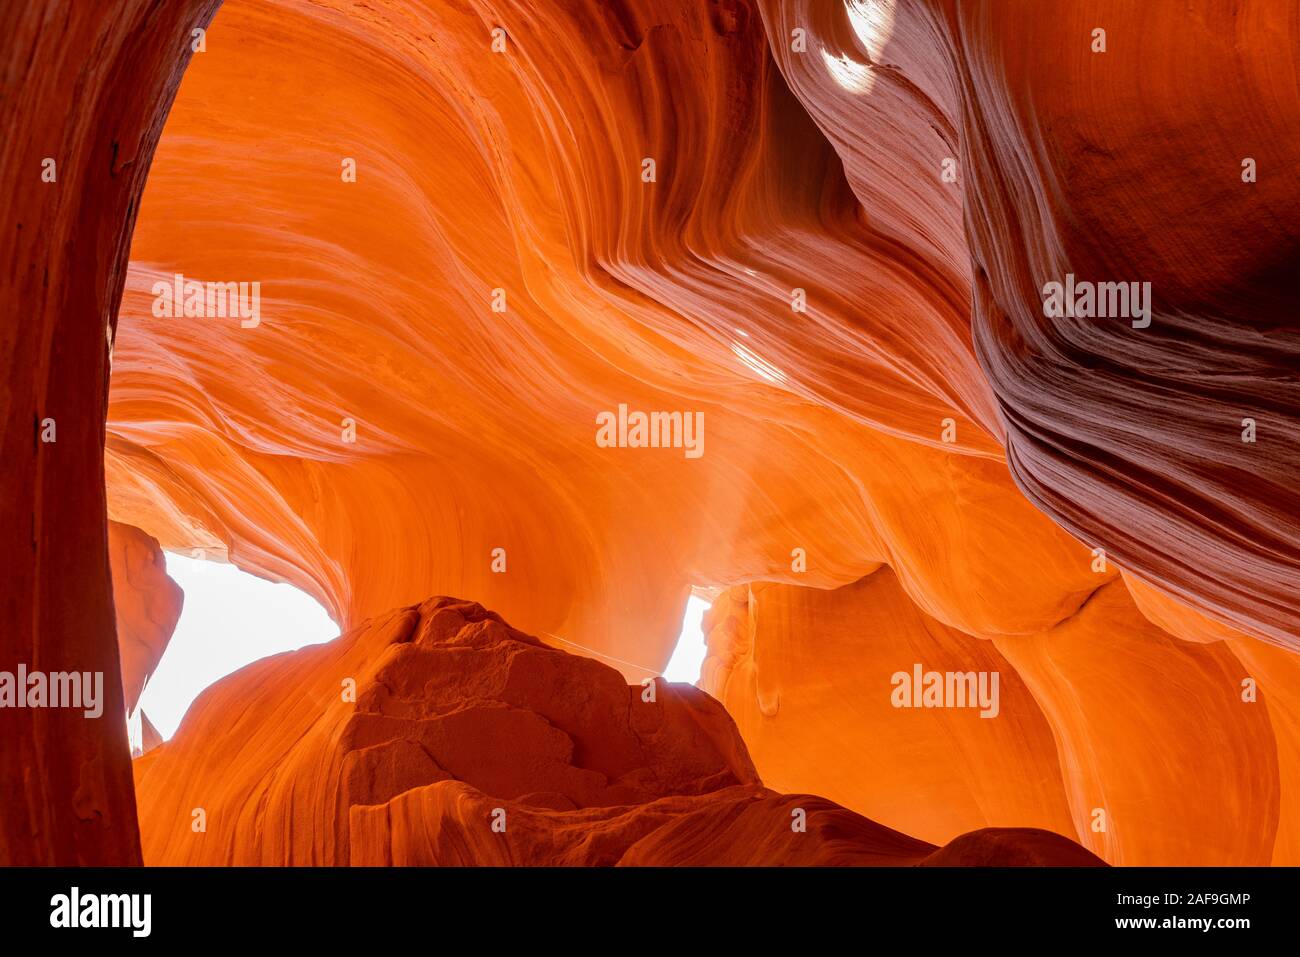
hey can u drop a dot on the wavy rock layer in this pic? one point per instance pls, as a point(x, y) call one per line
point(438, 734)
point(83, 94)
point(823, 427)
point(1133, 438)
point(516, 178)
point(1044, 497)
point(1090, 740)
point(933, 773)
point(824, 226)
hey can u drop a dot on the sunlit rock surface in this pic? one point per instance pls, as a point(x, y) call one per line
point(881, 432)
point(1090, 739)
point(825, 225)
point(824, 428)
point(438, 734)
point(517, 178)
point(147, 605)
point(806, 675)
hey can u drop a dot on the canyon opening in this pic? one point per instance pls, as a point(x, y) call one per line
point(655, 434)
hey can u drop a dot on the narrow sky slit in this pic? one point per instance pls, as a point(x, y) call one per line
point(688, 656)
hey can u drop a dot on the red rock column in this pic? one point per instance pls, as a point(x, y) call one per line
point(84, 90)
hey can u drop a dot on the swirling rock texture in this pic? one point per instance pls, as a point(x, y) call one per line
point(437, 734)
point(826, 227)
point(1076, 731)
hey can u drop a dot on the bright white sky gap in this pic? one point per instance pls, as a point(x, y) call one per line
point(232, 618)
point(688, 656)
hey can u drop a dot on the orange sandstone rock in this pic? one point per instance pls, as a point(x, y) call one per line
point(438, 734)
point(147, 605)
point(824, 227)
point(806, 673)
point(1090, 741)
point(84, 90)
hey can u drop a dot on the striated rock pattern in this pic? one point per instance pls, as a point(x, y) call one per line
point(511, 274)
point(824, 427)
point(1174, 446)
point(806, 675)
point(821, 228)
point(1090, 739)
point(439, 735)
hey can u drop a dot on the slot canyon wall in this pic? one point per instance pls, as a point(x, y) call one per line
point(85, 91)
point(464, 741)
point(824, 227)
